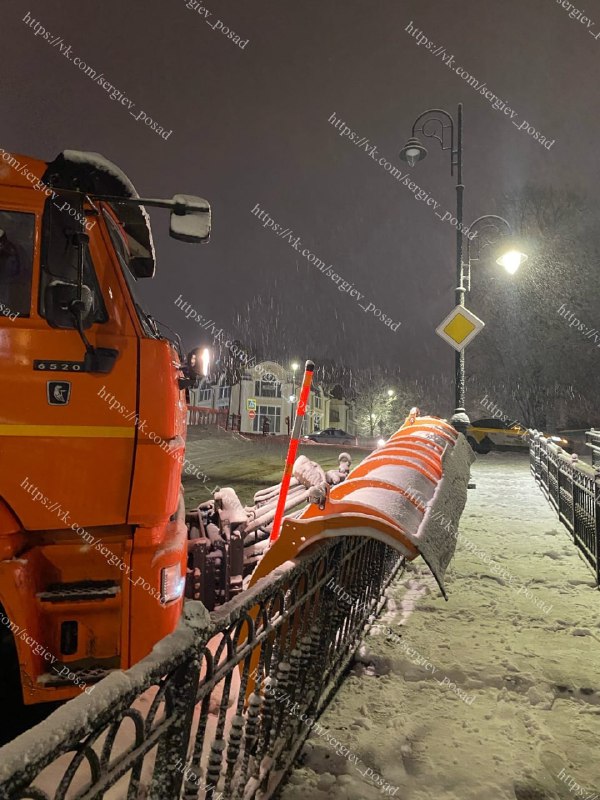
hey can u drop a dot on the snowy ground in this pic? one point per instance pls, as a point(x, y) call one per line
point(246, 464)
point(494, 694)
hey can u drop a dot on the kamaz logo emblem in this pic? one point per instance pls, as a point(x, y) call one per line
point(59, 393)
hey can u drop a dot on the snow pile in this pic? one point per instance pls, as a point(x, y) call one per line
point(230, 507)
point(308, 472)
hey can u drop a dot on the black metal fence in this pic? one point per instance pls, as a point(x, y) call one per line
point(202, 716)
point(573, 488)
point(592, 440)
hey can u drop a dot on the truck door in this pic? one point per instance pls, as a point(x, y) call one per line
point(68, 432)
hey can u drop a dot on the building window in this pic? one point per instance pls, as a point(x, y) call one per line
point(273, 414)
point(318, 401)
point(224, 392)
point(317, 422)
point(334, 415)
point(267, 386)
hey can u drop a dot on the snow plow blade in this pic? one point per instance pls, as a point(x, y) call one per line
point(409, 494)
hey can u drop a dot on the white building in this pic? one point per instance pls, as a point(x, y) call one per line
point(270, 391)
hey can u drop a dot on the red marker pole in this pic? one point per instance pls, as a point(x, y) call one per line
point(309, 368)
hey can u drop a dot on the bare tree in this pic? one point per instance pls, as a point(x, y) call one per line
point(381, 401)
point(530, 353)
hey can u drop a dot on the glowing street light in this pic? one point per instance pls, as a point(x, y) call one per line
point(511, 260)
point(295, 366)
point(205, 358)
point(495, 231)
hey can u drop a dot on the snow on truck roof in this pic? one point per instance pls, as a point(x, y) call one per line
point(103, 167)
point(90, 173)
point(94, 174)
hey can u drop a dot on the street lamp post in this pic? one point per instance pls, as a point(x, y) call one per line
point(435, 123)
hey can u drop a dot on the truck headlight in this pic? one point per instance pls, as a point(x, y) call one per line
point(171, 583)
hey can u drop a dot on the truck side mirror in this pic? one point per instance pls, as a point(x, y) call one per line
point(59, 298)
point(190, 219)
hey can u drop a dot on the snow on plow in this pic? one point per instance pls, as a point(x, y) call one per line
point(408, 494)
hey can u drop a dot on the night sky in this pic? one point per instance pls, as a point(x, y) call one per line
point(251, 126)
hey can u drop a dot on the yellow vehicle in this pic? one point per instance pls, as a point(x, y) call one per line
point(496, 434)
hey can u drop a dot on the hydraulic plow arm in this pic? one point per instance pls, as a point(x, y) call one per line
point(227, 541)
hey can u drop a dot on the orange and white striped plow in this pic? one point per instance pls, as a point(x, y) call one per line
point(390, 496)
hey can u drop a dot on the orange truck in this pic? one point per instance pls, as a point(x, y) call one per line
point(93, 541)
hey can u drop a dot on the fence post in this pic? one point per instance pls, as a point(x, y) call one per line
point(167, 778)
point(597, 522)
point(574, 494)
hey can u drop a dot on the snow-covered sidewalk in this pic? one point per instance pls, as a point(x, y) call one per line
point(494, 694)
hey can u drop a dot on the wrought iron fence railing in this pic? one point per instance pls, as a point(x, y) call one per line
point(202, 716)
point(592, 440)
point(573, 489)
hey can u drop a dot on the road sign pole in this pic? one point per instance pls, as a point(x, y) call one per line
point(292, 450)
point(459, 357)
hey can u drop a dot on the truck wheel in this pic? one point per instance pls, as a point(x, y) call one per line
point(473, 443)
point(485, 445)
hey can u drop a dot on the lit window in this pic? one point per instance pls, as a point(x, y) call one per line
point(273, 414)
point(268, 386)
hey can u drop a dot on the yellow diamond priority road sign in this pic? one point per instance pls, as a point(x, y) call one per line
point(460, 327)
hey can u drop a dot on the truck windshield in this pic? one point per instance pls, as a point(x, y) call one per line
point(16, 262)
point(122, 251)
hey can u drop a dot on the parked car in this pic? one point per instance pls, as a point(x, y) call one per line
point(331, 436)
point(495, 434)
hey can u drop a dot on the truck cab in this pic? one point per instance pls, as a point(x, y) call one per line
point(93, 541)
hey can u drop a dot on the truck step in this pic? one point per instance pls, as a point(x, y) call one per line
point(79, 591)
point(64, 675)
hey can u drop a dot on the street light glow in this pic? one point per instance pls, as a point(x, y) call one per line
point(511, 260)
point(295, 365)
point(390, 392)
point(205, 358)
